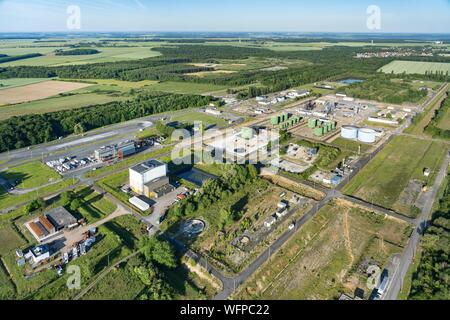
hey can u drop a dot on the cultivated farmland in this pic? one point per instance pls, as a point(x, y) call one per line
point(56, 104)
point(394, 178)
point(415, 67)
point(38, 91)
point(106, 55)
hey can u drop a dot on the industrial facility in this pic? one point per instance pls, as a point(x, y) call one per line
point(364, 135)
point(49, 224)
point(150, 179)
point(241, 146)
point(120, 151)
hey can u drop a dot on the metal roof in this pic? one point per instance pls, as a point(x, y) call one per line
point(147, 166)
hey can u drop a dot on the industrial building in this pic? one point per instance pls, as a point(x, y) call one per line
point(243, 145)
point(48, 225)
point(120, 151)
point(38, 255)
point(61, 218)
point(150, 179)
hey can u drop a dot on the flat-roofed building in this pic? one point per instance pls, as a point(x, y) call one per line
point(146, 172)
point(157, 188)
point(60, 218)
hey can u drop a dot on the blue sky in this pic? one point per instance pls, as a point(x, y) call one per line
point(226, 15)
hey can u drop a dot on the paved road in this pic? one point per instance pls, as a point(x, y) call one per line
point(420, 225)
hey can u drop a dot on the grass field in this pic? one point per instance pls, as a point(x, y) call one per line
point(192, 116)
point(324, 258)
point(30, 175)
point(56, 104)
point(107, 54)
point(185, 87)
point(18, 82)
point(417, 67)
point(350, 145)
point(9, 239)
point(7, 290)
point(387, 179)
point(445, 122)
point(94, 206)
point(7, 200)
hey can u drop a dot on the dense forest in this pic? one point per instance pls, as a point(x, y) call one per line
point(76, 52)
point(432, 278)
point(234, 179)
point(23, 131)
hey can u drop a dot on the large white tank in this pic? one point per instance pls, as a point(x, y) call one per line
point(349, 132)
point(367, 135)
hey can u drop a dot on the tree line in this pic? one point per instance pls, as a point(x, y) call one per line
point(6, 58)
point(27, 130)
point(76, 52)
point(431, 281)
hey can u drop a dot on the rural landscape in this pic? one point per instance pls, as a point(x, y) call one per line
point(231, 166)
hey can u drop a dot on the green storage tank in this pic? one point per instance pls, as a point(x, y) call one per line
point(275, 120)
point(312, 123)
point(318, 131)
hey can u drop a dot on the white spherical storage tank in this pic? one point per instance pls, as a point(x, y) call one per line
point(367, 135)
point(349, 132)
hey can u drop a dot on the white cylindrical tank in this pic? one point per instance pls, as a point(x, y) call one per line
point(349, 132)
point(367, 135)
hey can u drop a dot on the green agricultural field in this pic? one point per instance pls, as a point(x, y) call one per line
point(185, 87)
point(321, 261)
point(394, 178)
point(72, 101)
point(415, 67)
point(18, 82)
point(30, 175)
point(191, 116)
point(107, 54)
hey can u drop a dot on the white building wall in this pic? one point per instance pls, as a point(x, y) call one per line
point(137, 180)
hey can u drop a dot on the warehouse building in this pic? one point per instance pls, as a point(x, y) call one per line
point(150, 179)
point(48, 225)
point(60, 218)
